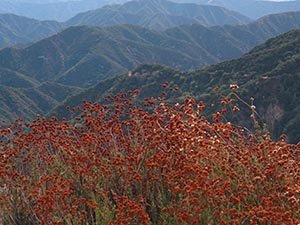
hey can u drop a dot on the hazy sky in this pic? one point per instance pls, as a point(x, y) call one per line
point(49, 1)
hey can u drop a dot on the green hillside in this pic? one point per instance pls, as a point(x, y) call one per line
point(23, 103)
point(158, 14)
point(18, 29)
point(82, 56)
point(270, 73)
point(24, 97)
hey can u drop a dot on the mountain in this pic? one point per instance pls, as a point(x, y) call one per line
point(52, 10)
point(24, 97)
point(17, 29)
point(158, 14)
point(82, 56)
point(64, 10)
point(252, 8)
point(26, 103)
point(270, 73)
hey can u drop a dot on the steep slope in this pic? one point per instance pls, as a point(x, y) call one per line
point(16, 80)
point(270, 73)
point(17, 29)
point(24, 97)
point(158, 14)
point(26, 103)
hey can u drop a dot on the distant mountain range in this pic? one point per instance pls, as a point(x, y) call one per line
point(52, 10)
point(158, 15)
point(154, 14)
point(270, 73)
point(17, 29)
point(82, 56)
point(64, 10)
point(252, 8)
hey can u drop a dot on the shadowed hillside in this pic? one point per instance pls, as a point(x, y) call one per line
point(17, 29)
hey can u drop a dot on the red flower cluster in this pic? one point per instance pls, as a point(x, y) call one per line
point(166, 164)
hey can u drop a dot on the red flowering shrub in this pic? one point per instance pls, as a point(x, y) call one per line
point(122, 164)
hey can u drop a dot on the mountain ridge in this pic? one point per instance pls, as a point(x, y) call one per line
point(100, 52)
point(158, 14)
point(80, 57)
point(270, 73)
point(252, 8)
point(64, 10)
point(18, 29)
point(59, 11)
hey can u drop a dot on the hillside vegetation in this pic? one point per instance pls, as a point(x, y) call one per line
point(27, 102)
point(132, 125)
point(102, 52)
point(269, 73)
point(154, 14)
point(121, 164)
point(17, 29)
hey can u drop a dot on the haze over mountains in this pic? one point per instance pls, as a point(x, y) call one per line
point(99, 52)
point(62, 10)
point(154, 14)
point(159, 15)
point(252, 8)
point(17, 29)
point(52, 10)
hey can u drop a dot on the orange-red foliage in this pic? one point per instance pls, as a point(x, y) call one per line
point(121, 164)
